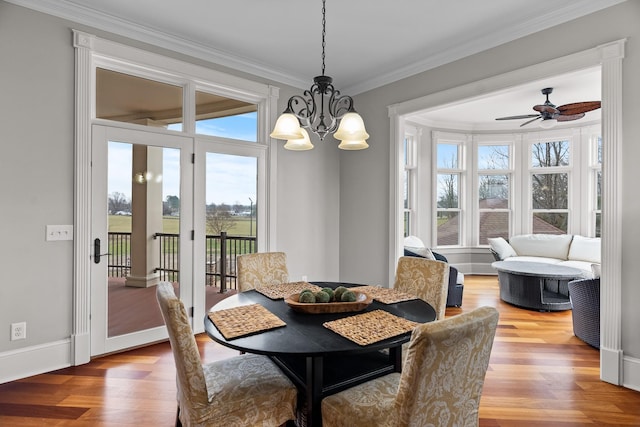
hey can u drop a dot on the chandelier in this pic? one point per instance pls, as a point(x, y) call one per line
point(321, 110)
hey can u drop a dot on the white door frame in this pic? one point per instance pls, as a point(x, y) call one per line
point(608, 56)
point(101, 343)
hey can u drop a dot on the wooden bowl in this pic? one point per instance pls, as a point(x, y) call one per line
point(361, 302)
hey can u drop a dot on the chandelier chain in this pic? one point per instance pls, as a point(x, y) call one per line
point(324, 24)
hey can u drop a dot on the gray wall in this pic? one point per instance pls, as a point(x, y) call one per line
point(333, 208)
point(364, 198)
point(37, 179)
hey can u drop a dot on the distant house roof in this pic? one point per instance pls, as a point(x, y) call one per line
point(492, 224)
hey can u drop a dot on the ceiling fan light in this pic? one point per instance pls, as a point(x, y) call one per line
point(548, 123)
point(287, 127)
point(351, 128)
point(300, 144)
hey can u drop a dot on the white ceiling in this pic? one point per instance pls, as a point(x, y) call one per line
point(368, 43)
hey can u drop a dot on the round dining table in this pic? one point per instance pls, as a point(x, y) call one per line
point(319, 361)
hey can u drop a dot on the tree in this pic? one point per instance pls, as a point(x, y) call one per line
point(118, 202)
point(219, 219)
point(171, 205)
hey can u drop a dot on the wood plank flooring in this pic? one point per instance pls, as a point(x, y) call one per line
point(539, 375)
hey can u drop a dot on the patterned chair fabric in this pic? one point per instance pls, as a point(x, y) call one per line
point(440, 385)
point(260, 269)
point(425, 278)
point(246, 390)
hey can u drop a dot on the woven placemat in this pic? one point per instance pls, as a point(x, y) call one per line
point(244, 320)
point(373, 326)
point(385, 295)
point(283, 290)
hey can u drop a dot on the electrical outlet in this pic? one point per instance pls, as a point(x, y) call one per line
point(18, 331)
point(304, 278)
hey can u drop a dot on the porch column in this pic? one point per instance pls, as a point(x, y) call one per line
point(146, 211)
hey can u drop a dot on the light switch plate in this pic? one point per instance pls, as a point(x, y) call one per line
point(59, 232)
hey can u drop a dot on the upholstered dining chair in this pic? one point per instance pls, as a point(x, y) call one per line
point(246, 390)
point(440, 384)
point(425, 278)
point(262, 268)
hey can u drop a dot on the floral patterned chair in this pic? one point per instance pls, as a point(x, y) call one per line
point(440, 384)
point(241, 391)
point(263, 268)
point(425, 278)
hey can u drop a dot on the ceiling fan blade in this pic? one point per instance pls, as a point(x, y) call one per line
point(525, 116)
point(532, 120)
point(545, 108)
point(578, 107)
point(565, 118)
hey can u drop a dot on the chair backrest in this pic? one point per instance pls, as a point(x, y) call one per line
point(443, 374)
point(260, 269)
point(427, 279)
point(192, 388)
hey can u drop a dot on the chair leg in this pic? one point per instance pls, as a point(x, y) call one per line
point(178, 423)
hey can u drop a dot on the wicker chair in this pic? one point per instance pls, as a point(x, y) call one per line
point(260, 269)
point(242, 391)
point(440, 384)
point(585, 305)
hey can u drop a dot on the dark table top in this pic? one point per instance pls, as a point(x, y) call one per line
point(304, 334)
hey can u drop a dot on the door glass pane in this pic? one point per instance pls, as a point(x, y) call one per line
point(231, 184)
point(126, 98)
point(143, 219)
point(228, 118)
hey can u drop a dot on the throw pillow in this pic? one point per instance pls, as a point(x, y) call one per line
point(501, 247)
point(421, 251)
point(595, 269)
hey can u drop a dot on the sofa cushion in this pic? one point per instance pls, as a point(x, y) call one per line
point(542, 245)
point(585, 249)
point(596, 270)
point(501, 247)
point(583, 266)
point(540, 259)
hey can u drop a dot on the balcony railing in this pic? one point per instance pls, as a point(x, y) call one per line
point(220, 257)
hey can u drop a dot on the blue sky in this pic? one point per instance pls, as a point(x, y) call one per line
point(229, 179)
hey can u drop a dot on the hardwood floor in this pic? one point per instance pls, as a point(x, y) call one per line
point(539, 375)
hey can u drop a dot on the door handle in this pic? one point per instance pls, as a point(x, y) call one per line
point(96, 251)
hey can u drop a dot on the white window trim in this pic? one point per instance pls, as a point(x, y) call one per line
point(609, 57)
point(91, 51)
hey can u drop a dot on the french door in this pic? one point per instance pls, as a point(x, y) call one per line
point(229, 196)
point(142, 198)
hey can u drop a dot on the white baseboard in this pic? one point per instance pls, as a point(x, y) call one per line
point(28, 361)
point(631, 373)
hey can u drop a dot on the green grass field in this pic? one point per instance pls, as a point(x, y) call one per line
point(170, 225)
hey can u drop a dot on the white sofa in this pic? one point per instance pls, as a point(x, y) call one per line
point(564, 249)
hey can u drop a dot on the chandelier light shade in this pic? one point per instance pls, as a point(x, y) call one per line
point(299, 144)
point(321, 110)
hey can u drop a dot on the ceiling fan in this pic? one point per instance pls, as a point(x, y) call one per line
point(563, 113)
